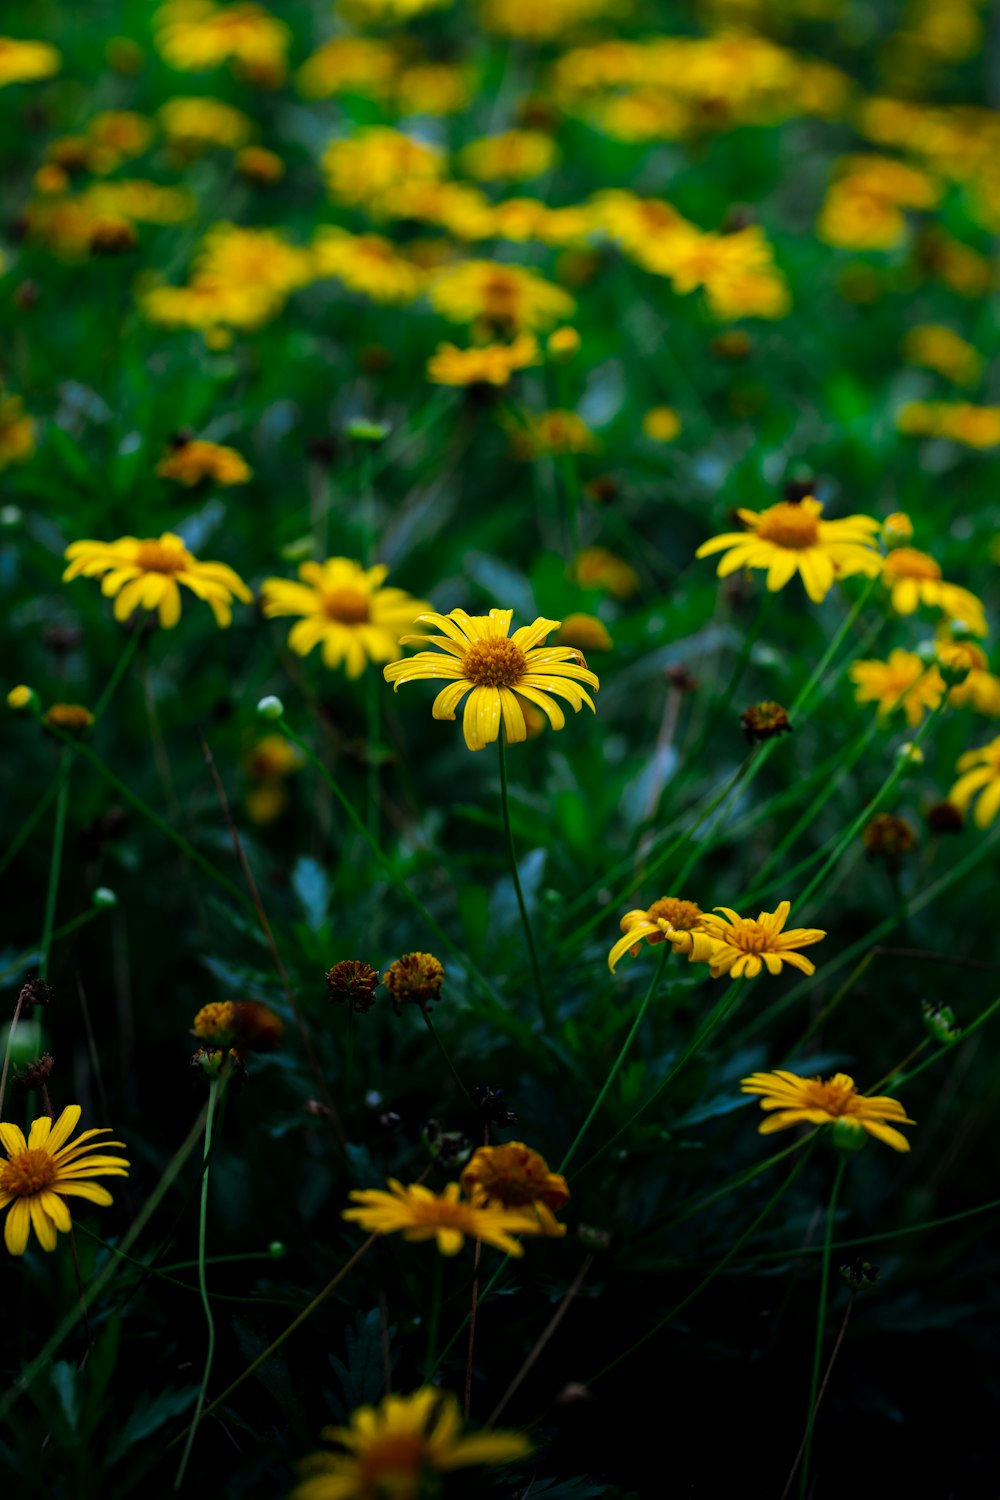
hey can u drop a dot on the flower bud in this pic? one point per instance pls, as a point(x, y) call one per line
point(848, 1134)
point(956, 659)
point(764, 721)
point(860, 1275)
point(563, 343)
point(270, 708)
point(910, 755)
point(23, 700)
point(940, 1021)
point(897, 530)
point(104, 896)
point(277, 1250)
point(361, 431)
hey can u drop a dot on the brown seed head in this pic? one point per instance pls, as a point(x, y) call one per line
point(352, 982)
point(764, 721)
point(414, 979)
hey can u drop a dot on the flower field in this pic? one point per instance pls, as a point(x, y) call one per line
point(499, 551)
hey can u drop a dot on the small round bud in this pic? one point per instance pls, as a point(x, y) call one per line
point(414, 979)
point(910, 755)
point(956, 659)
point(764, 721)
point(860, 1275)
point(270, 708)
point(104, 896)
point(361, 431)
point(848, 1134)
point(71, 718)
point(941, 1022)
point(563, 343)
point(11, 515)
point(23, 700)
point(277, 1250)
point(897, 530)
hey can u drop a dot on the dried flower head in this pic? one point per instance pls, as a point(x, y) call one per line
point(34, 1075)
point(352, 982)
point(945, 817)
point(414, 979)
point(764, 721)
point(859, 1275)
point(492, 1105)
point(888, 838)
point(242, 1025)
point(35, 992)
point(515, 1177)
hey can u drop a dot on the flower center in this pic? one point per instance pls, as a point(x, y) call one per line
point(682, 915)
point(499, 296)
point(27, 1173)
point(789, 526)
point(390, 1458)
point(347, 606)
point(750, 936)
point(832, 1096)
point(161, 557)
point(907, 562)
point(495, 662)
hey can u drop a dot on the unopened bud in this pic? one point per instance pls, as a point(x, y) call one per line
point(23, 700)
point(848, 1134)
point(368, 432)
point(940, 1021)
point(104, 896)
point(270, 708)
point(860, 1275)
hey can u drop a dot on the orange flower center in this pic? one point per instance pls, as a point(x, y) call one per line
point(495, 662)
point(27, 1173)
point(683, 915)
point(907, 562)
point(750, 936)
point(513, 1178)
point(390, 1458)
point(499, 297)
point(790, 526)
point(347, 606)
point(161, 557)
point(836, 1098)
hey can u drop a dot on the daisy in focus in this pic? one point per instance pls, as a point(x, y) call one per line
point(399, 1447)
point(786, 539)
point(682, 924)
point(513, 1176)
point(481, 659)
point(146, 574)
point(913, 579)
point(46, 1168)
point(419, 1214)
point(744, 945)
point(836, 1101)
point(979, 782)
point(345, 608)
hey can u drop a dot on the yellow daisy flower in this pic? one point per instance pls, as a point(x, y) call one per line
point(191, 462)
point(345, 607)
point(144, 574)
point(745, 945)
point(506, 296)
point(368, 264)
point(513, 1176)
point(980, 780)
point(422, 1215)
point(23, 62)
point(483, 661)
point(835, 1101)
point(904, 681)
point(46, 1168)
point(397, 1447)
point(787, 539)
point(487, 364)
point(679, 923)
point(913, 578)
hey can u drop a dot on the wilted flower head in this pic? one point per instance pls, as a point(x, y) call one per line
point(353, 983)
point(414, 979)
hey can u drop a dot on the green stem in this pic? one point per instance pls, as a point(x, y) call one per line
point(723, 699)
point(536, 968)
point(374, 706)
point(928, 1062)
point(619, 1060)
point(441, 1048)
point(434, 1317)
point(713, 1023)
point(55, 866)
point(824, 1286)
point(131, 646)
point(213, 1094)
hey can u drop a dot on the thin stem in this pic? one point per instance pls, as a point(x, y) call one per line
point(131, 646)
point(619, 1060)
point(472, 1331)
point(441, 1048)
point(536, 968)
point(55, 865)
point(213, 1094)
point(722, 700)
point(544, 1338)
point(434, 1317)
point(30, 823)
point(9, 1046)
point(819, 1399)
point(824, 1286)
point(373, 705)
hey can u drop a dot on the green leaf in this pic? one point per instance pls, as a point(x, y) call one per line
point(362, 1372)
point(312, 887)
point(149, 1414)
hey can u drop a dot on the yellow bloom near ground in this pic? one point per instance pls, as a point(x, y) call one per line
point(146, 574)
point(480, 658)
point(979, 782)
point(903, 681)
point(47, 1168)
point(190, 463)
point(812, 1101)
point(787, 539)
point(745, 945)
point(487, 364)
point(512, 155)
point(397, 1449)
point(505, 296)
point(345, 609)
point(682, 924)
point(419, 1214)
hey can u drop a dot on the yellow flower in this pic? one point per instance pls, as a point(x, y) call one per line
point(273, 757)
point(259, 164)
point(432, 89)
point(363, 166)
point(897, 529)
point(484, 364)
point(904, 681)
point(46, 1168)
point(388, 12)
point(135, 198)
point(586, 633)
point(23, 62)
point(368, 264)
point(121, 132)
point(192, 124)
point(344, 606)
point(787, 539)
point(539, 23)
point(399, 1447)
point(553, 432)
point(195, 35)
point(211, 304)
point(913, 579)
point(482, 660)
point(563, 343)
point(513, 155)
point(17, 432)
point(661, 423)
point(253, 258)
point(507, 297)
point(815, 1102)
point(979, 688)
point(744, 945)
point(422, 1215)
point(191, 463)
point(71, 718)
point(414, 979)
point(736, 270)
point(939, 348)
point(682, 924)
point(976, 426)
point(597, 568)
point(515, 1177)
point(347, 64)
point(22, 697)
point(980, 779)
point(144, 574)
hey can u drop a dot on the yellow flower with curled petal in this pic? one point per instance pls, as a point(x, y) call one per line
point(745, 945)
point(786, 539)
point(146, 574)
point(345, 609)
point(682, 924)
point(480, 658)
point(913, 578)
point(980, 779)
point(46, 1168)
point(483, 364)
point(399, 1448)
point(419, 1214)
point(812, 1101)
